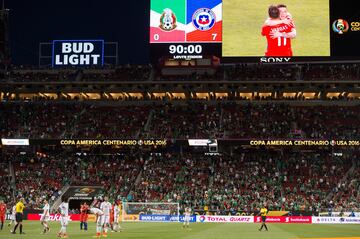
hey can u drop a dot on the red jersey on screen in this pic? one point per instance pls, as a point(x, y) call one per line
point(280, 46)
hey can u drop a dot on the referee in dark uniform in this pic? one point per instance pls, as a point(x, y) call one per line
point(19, 209)
point(263, 213)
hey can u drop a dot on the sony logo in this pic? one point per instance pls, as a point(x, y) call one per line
point(274, 59)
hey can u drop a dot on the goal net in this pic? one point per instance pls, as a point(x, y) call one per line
point(150, 211)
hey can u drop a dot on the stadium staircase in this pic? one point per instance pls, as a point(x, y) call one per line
point(12, 180)
point(347, 175)
point(147, 125)
point(69, 132)
point(57, 202)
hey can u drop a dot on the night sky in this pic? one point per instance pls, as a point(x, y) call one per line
point(125, 22)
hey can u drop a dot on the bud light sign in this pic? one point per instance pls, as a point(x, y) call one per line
point(77, 53)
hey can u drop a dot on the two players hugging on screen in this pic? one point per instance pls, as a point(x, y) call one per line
point(279, 29)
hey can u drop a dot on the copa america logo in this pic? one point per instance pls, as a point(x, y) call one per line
point(203, 19)
point(340, 26)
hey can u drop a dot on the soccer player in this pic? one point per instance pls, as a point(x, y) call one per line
point(12, 219)
point(45, 217)
point(263, 213)
point(2, 213)
point(84, 216)
point(117, 226)
point(278, 36)
point(19, 212)
point(105, 206)
point(187, 218)
point(99, 220)
point(285, 17)
point(64, 212)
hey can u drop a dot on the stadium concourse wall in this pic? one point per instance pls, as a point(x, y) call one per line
point(219, 219)
point(163, 143)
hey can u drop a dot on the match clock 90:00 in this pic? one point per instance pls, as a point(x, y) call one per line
point(189, 49)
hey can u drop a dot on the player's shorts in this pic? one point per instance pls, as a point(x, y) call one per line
point(100, 220)
point(116, 218)
point(18, 217)
point(83, 217)
point(106, 219)
point(64, 221)
point(12, 217)
point(44, 218)
point(187, 218)
point(2, 218)
point(263, 218)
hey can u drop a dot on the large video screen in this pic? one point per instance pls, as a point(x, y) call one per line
point(256, 30)
point(266, 28)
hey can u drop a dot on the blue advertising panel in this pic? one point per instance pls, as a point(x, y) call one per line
point(67, 53)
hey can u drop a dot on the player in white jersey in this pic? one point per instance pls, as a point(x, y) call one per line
point(99, 220)
point(117, 226)
point(187, 217)
point(105, 206)
point(64, 219)
point(45, 217)
point(12, 219)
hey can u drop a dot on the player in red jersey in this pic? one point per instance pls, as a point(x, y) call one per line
point(84, 208)
point(112, 217)
point(2, 213)
point(279, 35)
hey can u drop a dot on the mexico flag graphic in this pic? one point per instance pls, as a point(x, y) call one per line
point(167, 21)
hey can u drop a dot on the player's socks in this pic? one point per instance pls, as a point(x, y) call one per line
point(15, 227)
point(266, 227)
point(21, 229)
point(85, 226)
point(2, 225)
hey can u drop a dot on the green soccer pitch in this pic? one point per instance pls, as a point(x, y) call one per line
point(151, 230)
point(243, 19)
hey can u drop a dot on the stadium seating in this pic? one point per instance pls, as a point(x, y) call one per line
point(53, 120)
point(229, 183)
point(235, 181)
point(243, 72)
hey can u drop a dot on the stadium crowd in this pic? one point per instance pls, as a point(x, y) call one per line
point(178, 121)
point(234, 181)
point(235, 72)
point(241, 181)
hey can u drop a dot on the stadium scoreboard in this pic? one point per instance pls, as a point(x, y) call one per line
point(243, 31)
point(185, 29)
